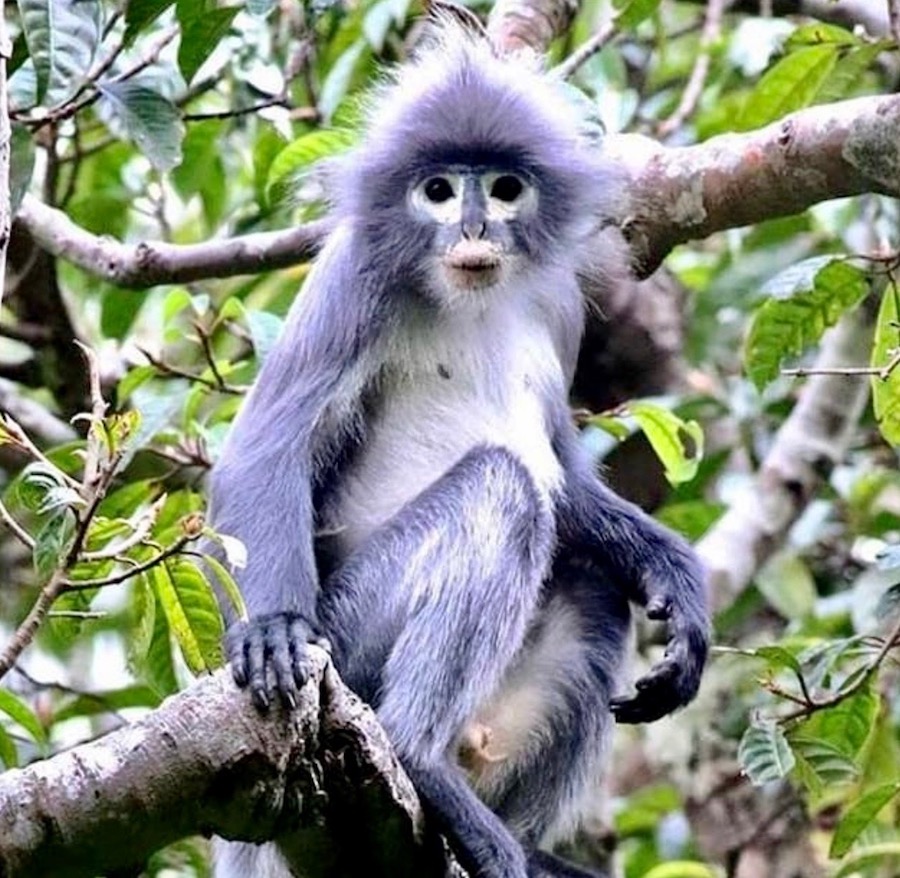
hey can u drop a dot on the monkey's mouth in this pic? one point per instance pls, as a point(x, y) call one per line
point(473, 263)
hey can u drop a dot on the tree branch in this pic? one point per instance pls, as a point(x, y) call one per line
point(684, 193)
point(675, 195)
point(321, 778)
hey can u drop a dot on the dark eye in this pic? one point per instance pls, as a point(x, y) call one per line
point(506, 188)
point(438, 190)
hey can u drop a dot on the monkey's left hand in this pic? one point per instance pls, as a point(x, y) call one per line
point(674, 591)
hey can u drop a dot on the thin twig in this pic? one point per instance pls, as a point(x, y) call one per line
point(21, 534)
point(712, 27)
point(165, 554)
point(586, 51)
point(881, 372)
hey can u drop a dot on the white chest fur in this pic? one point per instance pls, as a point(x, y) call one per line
point(454, 381)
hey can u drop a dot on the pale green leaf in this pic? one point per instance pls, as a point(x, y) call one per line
point(151, 121)
point(886, 388)
point(793, 83)
point(677, 443)
point(765, 754)
point(62, 37)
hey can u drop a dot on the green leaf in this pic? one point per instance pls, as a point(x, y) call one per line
point(859, 816)
point(191, 610)
point(677, 443)
point(632, 12)
point(98, 703)
point(8, 754)
point(787, 584)
point(616, 427)
point(829, 764)
point(300, 154)
point(765, 754)
point(777, 656)
point(886, 390)
point(201, 171)
point(265, 328)
point(340, 76)
point(845, 79)
point(21, 165)
point(52, 544)
point(140, 13)
point(846, 726)
point(681, 869)
point(151, 121)
point(819, 33)
point(18, 711)
point(200, 34)
point(806, 299)
point(62, 37)
point(885, 853)
point(791, 84)
point(159, 668)
point(228, 585)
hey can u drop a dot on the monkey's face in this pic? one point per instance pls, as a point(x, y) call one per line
point(474, 216)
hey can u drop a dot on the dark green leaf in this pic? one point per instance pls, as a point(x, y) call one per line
point(140, 13)
point(149, 119)
point(805, 300)
point(200, 34)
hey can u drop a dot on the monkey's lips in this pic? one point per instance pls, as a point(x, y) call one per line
point(473, 263)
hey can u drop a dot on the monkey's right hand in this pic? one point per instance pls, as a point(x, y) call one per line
point(268, 655)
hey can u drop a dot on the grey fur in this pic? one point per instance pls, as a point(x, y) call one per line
point(408, 482)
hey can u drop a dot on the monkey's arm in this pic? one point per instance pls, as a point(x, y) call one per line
point(261, 488)
point(656, 568)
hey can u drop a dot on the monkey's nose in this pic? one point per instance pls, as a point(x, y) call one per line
point(474, 231)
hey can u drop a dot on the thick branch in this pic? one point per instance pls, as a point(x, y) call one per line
point(676, 194)
point(206, 762)
point(811, 441)
point(148, 263)
point(733, 180)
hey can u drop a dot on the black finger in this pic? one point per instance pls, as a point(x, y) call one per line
point(256, 666)
point(659, 608)
point(237, 655)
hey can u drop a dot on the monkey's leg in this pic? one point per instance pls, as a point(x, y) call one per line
point(567, 677)
point(426, 617)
